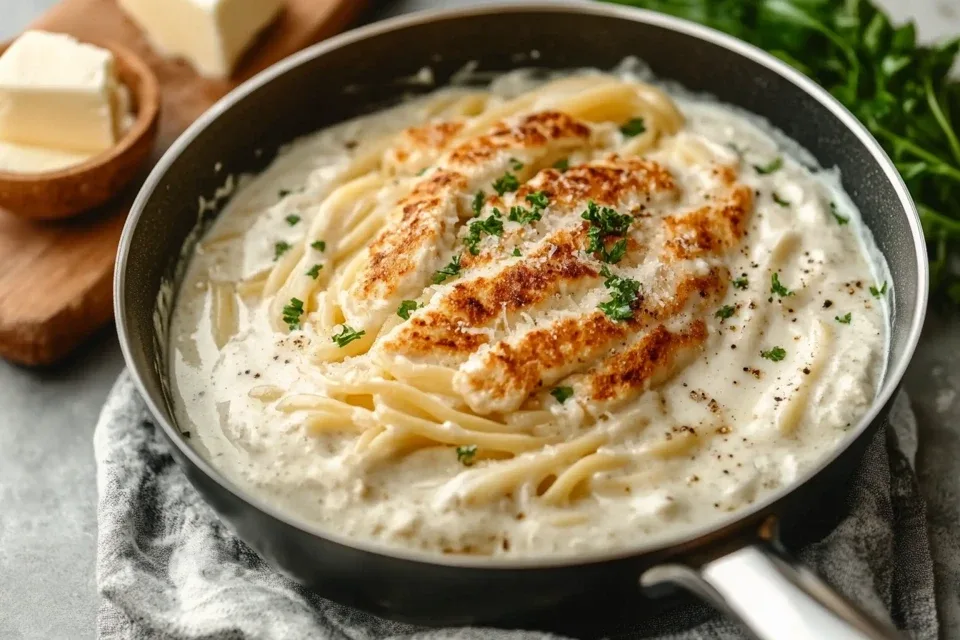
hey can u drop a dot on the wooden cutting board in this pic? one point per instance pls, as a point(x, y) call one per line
point(56, 278)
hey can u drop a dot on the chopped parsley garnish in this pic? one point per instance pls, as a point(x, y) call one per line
point(776, 354)
point(879, 293)
point(319, 245)
point(523, 215)
point(516, 252)
point(844, 319)
point(741, 282)
point(841, 220)
point(773, 166)
point(452, 270)
point(346, 336)
point(422, 171)
point(283, 193)
point(478, 201)
point(508, 182)
point(623, 294)
point(406, 308)
point(562, 394)
point(280, 248)
point(633, 127)
point(493, 226)
point(315, 271)
point(725, 312)
point(292, 313)
point(466, 454)
point(515, 164)
point(292, 219)
point(605, 221)
point(562, 164)
point(538, 199)
point(777, 288)
point(780, 201)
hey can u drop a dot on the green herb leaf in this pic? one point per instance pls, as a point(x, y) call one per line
point(609, 220)
point(633, 127)
point(772, 166)
point(780, 201)
point(292, 219)
point(538, 199)
point(562, 164)
point(280, 248)
point(522, 215)
point(493, 226)
point(725, 312)
point(292, 313)
point(741, 282)
point(406, 308)
point(283, 193)
point(515, 164)
point(452, 270)
point(516, 252)
point(841, 220)
point(624, 293)
point(844, 319)
point(314, 271)
point(346, 336)
point(508, 182)
point(879, 293)
point(478, 201)
point(466, 454)
point(562, 394)
point(778, 289)
point(422, 171)
point(319, 245)
point(776, 354)
point(615, 253)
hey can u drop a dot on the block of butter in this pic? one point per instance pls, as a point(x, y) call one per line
point(59, 93)
point(210, 34)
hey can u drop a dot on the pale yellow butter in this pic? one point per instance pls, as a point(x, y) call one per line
point(210, 34)
point(59, 93)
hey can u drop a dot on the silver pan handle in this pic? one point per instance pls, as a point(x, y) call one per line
point(773, 596)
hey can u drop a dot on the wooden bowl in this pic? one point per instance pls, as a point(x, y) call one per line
point(66, 192)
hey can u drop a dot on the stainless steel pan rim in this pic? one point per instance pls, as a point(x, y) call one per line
point(894, 373)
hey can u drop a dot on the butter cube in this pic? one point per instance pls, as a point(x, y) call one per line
point(59, 93)
point(211, 35)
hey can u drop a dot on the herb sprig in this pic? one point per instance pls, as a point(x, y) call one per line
point(899, 89)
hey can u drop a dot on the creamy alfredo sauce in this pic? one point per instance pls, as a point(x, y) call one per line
point(818, 359)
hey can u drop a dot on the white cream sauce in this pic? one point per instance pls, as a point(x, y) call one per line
point(829, 374)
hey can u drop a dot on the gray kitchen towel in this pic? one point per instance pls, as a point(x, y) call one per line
point(168, 569)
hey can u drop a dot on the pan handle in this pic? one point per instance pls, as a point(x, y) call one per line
point(773, 596)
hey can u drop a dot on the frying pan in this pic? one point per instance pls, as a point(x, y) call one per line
point(735, 562)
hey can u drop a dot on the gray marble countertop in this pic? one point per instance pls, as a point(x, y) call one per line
point(48, 492)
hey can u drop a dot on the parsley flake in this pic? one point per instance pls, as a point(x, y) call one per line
point(616, 253)
point(562, 394)
point(774, 165)
point(346, 336)
point(780, 201)
point(605, 221)
point(292, 219)
point(493, 226)
point(624, 292)
point(452, 270)
point(776, 354)
point(777, 288)
point(466, 454)
point(844, 319)
point(515, 164)
point(319, 245)
point(725, 312)
point(292, 313)
point(538, 199)
point(879, 293)
point(283, 193)
point(422, 171)
point(406, 308)
point(841, 220)
point(523, 216)
point(562, 164)
point(516, 252)
point(478, 201)
point(280, 248)
point(633, 127)
point(741, 283)
point(508, 182)
point(315, 271)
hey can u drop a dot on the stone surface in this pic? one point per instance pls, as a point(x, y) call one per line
point(48, 477)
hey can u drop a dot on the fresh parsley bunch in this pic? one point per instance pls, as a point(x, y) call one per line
point(897, 88)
